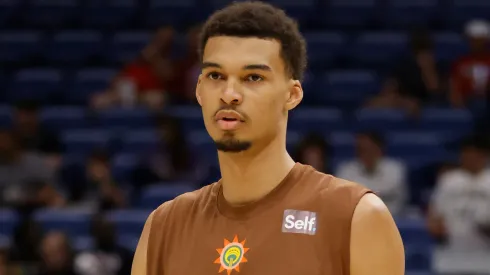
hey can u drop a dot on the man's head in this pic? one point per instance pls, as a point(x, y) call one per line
point(253, 59)
point(26, 116)
point(369, 148)
point(474, 154)
point(478, 33)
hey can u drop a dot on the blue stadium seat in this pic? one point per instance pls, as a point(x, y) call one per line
point(51, 13)
point(316, 120)
point(408, 13)
point(190, 117)
point(414, 231)
point(125, 118)
point(462, 11)
point(457, 121)
point(405, 145)
point(109, 13)
point(63, 118)
point(83, 142)
point(141, 141)
point(448, 45)
point(128, 222)
point(123, 165)
point(74, 47)
point(381, 120)
point(125, 46)
point(72, 222)
point(164, 12)
point(324, 48)
point(8, 221)
point(377, 50)
point(5, 116)
point(8, 9)
point(301, 10)
point(343, 145)
point(350, 87)
point(418, 258)
point(88, 82)
point(16, 46)
point(350, 13)
point(153, 196)
point(82, 243)
point(35, 84)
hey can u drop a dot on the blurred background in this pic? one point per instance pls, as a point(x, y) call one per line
point(99, 125)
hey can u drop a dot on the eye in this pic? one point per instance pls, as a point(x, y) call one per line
point(254, 78)
point(214, 76)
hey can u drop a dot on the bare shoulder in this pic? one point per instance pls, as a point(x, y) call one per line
point(376, 245)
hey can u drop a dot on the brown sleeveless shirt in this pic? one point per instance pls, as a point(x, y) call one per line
point(301, 227)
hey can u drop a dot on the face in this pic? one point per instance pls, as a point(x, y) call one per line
point(26, 119)
point(245, 92)
point(315, 157)
point(54, 250)
point(473, 159)
point(368, 151)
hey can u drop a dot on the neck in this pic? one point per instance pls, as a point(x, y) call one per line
point(249, 176)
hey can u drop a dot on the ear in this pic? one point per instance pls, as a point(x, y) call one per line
point(198, 90)
point(295, 95)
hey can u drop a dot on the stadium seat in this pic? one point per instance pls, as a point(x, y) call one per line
point(324, 48)
point(418, 258)
point(8, 10)
point(380, 120)
point(343, 145)
point(414, 231)
point(16, 46)
point(125, 46)
point(383, 48)
point(125, 118)
point(190, 117)
point(110, 14)
point(140, 141)
point(458, 122)
point(51, 13)
point(349, 87)
point(5, 116)
point(301, 10)
point(414, 145)
point(123, 165)
point(316, 120)
point(42, 85)
point(75, 47)
point(164, 12)
point(87, 82)
point(462, 11)
point(153, 196)
point(128, 222)
point(8, 221)
point(63, 118)
point(448, 45)
point(70, 221)
point(350, 13)
point(83, 142)
point(406, 14)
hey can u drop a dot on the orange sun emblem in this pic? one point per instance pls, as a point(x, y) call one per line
point(231, 255)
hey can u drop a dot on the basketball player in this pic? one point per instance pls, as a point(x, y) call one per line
point(267, 215)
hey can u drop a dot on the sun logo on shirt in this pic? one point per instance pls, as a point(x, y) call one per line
point(231, 255)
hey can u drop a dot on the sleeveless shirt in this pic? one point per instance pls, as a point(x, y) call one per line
point(301, 227)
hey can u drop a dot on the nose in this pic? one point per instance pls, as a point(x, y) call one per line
point(231, 95)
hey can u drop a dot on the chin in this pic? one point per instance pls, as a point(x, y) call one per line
point(232, 145)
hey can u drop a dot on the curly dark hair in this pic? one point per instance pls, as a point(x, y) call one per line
point(262, 20)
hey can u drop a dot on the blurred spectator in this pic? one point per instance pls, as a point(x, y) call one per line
point(34, 138)
point(415, 79)
point(56, 255)
point(313, 150)
point(6, 266)
point(171, 161)
point(27, 238)
point(460, 206)
point(107, 258)
point(95, 187)
point(25, 178)
point(144, 80)
point(372, 169)
point(470, 74)
point(186, 70)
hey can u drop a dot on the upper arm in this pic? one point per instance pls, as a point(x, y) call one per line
point(139, 260)
point(376, 247)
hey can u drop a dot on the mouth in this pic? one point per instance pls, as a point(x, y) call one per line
point(229, 120)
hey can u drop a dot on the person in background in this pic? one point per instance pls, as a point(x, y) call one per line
point(144, 80)
point(34, 138)
point(470, 74)
point(459, 211)
point(313, 150)
point(107, 257)
point(56, 255)
point(171, 161)
point(186, 70)
point(386, 177)
point(416, 79)
point(23, 250)
point(94, 187)
point(26, 181)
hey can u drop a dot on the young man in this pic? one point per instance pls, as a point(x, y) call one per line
point(268, 214)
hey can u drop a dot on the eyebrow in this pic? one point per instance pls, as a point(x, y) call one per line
point(261, 67)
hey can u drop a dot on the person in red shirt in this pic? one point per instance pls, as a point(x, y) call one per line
point(470, 74)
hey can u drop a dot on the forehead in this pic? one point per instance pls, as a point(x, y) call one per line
point(229, 51)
